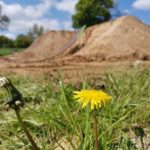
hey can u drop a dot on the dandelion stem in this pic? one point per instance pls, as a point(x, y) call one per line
point(142, 143)
point(35, 147)
point(96, 131)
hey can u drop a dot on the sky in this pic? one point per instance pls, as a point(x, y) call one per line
point(56, 14)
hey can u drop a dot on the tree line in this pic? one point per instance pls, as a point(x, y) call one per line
point(22, 40)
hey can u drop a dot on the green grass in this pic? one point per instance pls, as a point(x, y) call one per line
point(9, 51)
point(51, 114)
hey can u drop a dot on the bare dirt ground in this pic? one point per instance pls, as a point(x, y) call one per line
point(114, 45)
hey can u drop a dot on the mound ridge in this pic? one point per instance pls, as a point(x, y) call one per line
point(124, 38)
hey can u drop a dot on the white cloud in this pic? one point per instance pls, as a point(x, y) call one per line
point(66, 5)
point(142, 4)
point(23, 17)
point(17, 11)
point(24, 26)
point(67, 25)
point(49, 24)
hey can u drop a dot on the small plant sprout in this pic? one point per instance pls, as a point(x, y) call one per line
point(15, 102)
point(96, 99)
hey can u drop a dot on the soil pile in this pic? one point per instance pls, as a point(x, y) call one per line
point(46, 46)
point(122, 39)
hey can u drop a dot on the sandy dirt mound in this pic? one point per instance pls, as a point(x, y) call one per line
point(124, 38)
point(46, 46)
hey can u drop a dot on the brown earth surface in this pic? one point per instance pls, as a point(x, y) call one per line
point(108, 46)
point(122, 39)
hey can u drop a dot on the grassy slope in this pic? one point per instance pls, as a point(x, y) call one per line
point(8, 51)
point(51, 113)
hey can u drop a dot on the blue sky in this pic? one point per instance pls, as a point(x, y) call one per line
point(56, 14)
point(138, 8)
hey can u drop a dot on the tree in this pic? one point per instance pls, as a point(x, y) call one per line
point(91, 12)
point(3, 41)
point(35, 31)
point(23, 41)
point(4, 20)
point(6, 42)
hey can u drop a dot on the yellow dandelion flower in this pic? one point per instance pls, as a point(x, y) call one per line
point(93, 97)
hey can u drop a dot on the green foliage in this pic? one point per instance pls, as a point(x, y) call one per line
point(51, 114)
point(6, 42)
point(23, 41)
point(91, 12)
